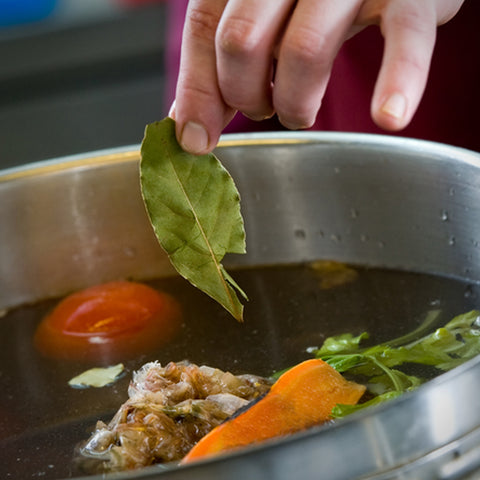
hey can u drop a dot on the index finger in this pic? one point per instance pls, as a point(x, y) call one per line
point(200, 111)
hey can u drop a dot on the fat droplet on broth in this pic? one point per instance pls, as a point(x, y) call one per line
point(129, 252)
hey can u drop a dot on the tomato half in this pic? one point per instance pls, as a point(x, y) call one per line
point(109, 322)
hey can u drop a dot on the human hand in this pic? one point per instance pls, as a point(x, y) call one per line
point(275, 57)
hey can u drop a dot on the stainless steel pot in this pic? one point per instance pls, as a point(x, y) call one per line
point(370, 200)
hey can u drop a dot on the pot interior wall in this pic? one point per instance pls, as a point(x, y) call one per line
point(361, 199)
point(367, 200)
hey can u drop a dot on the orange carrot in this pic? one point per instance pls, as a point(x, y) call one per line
point(302, 397)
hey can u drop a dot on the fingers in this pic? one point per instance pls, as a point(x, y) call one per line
point(447, 9)
point(200, 111)
point(229, 46)
point(311, 41)
point(409, 29)
point(245, 41)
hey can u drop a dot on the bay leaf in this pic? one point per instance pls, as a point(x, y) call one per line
point(97, 377)
point(194, 207)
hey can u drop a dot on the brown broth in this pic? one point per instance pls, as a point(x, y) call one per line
point(42, 418)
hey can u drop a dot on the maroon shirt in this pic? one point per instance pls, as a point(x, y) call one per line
point(450, 108)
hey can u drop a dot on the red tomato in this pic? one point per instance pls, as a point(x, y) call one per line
point(109, 322)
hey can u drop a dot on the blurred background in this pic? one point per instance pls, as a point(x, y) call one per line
point(78, 75)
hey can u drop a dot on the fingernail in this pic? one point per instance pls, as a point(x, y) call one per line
point(395, 105)
point(194, 138)
point(294, 125)
point(259, 117)
point(171, 112)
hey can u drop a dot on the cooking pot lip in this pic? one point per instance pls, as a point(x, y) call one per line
point(132, 152)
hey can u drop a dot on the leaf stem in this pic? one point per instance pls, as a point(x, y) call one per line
point(397, 386)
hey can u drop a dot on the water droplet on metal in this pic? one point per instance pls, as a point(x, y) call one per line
point(364, 238)
point(452, 241)
point(469, 293)
point(335, 238)
point(353, 213)
point(444, 216)
point(300, 233)
point(451, 191)
point(381, 244)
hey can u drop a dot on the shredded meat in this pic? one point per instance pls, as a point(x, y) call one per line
point(169, 409)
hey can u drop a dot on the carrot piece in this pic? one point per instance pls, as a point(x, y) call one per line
point(302, 397)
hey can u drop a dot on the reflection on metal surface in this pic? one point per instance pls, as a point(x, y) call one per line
point(444, 414)
point(463, 466)
point(94, 159)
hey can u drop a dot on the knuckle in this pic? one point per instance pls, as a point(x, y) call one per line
point(407, 19)
point(411, 61)
point(411, 36)
point(201, 95)
point(202, 23)
point(307, 47)
point(238, 36)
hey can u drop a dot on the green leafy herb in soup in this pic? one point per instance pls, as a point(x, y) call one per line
point(444, 348)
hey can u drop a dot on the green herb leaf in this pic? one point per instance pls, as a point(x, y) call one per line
point(342, 343)
point(341, 410)
point(343, 363)
point(443, 348)
point(194, 208)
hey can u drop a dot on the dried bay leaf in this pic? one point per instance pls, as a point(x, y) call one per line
point(97, 377)
point(194, 208)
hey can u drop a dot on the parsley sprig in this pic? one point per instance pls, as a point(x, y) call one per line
point(444, 348)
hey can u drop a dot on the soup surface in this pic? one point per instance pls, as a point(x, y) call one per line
point(42, 418)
